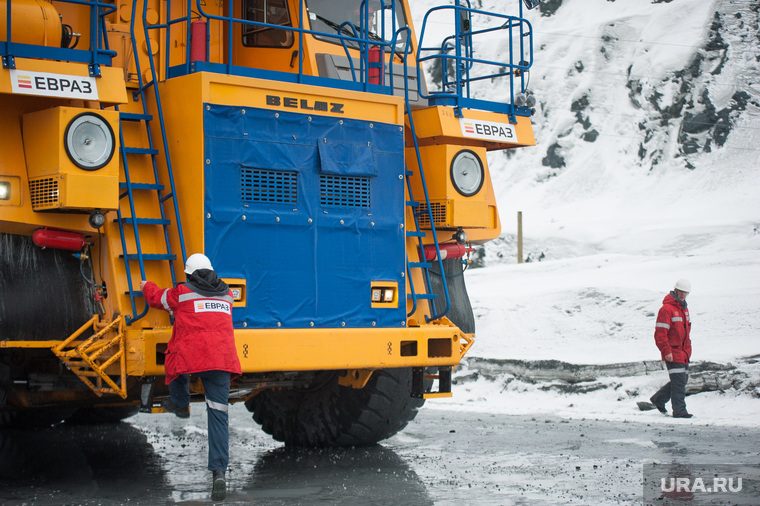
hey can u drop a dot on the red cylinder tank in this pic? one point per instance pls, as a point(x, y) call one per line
point(58, 239)
point(198, 41)
point(376, 65)
point(450, 250)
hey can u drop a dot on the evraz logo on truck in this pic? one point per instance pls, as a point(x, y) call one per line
point(26, 82)
point(488, 130)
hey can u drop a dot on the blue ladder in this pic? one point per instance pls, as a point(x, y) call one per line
point(136, 222)
point(155, 185)
point(414, 204)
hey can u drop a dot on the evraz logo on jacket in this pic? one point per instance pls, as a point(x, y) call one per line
point(212, 306)
point(205, 304)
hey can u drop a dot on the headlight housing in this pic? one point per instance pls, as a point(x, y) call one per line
point(467, 173)
point(89, 141)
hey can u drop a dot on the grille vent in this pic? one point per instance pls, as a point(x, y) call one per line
point(439, 214)
point(344, 191)
point(44, 193)
point(259, 185)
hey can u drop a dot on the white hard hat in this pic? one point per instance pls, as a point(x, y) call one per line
point(197, 261)
point(683, 285)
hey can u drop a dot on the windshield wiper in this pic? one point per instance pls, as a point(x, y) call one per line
point(342, 30)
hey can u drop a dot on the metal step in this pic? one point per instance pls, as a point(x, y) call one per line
point(142, 186)
point(418, 382)
point(149, 256)
point(143, 221)
point(428, 296)
point(131, 116)
point(139, 151)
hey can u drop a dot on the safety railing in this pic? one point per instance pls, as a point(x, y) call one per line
point(455, 56)
point(347, 35)
point(95, 55)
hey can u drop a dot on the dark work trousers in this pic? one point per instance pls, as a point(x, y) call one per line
point(216, 385)
point(675, 389)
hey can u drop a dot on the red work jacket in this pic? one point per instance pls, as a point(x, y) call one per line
point(671, 333)
point(202, 336)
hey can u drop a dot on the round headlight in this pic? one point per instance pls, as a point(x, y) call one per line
point(467, 173)
point(89, 141)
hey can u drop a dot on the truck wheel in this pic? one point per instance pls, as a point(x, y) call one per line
point(110, 414)
point(328, 414)
point(32, 418)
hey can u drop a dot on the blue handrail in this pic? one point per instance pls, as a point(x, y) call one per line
point(164, 140)
point(458, 91)
point(97, 54)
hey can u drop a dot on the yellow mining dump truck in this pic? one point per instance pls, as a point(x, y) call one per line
point(294, 142)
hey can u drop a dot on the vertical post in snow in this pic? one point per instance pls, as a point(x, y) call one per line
point(519, 238)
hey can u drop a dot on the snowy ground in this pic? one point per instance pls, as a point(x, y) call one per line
point(616, 229)
point(600, 309)
point(594, 300)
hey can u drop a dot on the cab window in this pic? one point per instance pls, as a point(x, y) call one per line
point(342, 17)
point(274, 12)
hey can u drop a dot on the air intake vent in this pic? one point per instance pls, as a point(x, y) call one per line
point(439, 214)
point(344, 191)
point(259, 185)
point(45, 193)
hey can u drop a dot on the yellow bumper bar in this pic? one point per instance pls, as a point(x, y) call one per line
point(265, 350)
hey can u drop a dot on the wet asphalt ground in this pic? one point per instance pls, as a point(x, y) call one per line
point(442, 457)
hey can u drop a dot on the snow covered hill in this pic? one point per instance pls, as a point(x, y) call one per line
point(646, 170)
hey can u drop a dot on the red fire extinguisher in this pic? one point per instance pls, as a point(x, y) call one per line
point(58, 239)
point(198, 41)
point(376, 65)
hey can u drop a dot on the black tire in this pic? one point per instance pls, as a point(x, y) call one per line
point(33, 418)
point(96, 416)
point(328, 414)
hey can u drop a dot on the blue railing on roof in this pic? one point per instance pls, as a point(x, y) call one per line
point(460, 68)
point(348, 39)
point(97, 54)
point(455, 51)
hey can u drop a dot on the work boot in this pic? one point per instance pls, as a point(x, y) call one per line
point(682, 415)
point(219, 488)
point(659, 405)
point(169, 407)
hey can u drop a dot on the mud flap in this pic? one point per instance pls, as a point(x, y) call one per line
point(146, 394)
point(46, 294)
point(460, 312)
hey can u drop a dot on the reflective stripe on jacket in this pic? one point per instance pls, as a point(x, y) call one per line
point(671, 332)
point(202, 337)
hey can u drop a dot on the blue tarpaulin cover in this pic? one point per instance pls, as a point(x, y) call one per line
point(308, 211)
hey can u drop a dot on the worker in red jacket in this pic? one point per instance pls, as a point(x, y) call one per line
point(203, 344)
point(671, 334)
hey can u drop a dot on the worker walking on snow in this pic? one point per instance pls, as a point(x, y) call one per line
point(671, 334)
point(202, 343)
